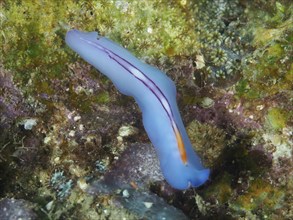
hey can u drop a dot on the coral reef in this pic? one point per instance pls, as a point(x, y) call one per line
point(221, 44)
point(72, 147)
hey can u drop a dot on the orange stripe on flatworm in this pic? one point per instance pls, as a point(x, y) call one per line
point(181, 147)
point(134, 185)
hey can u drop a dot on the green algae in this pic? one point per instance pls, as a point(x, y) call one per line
point(33, 34)
point(221, 189)
point(103, 97)
point(276, 118)
point(208, 141)
point(268, 70)
point(36, 40)
point(261, 197)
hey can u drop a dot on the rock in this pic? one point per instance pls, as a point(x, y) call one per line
point(15, 209)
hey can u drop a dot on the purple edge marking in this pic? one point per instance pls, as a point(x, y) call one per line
point(110, 54)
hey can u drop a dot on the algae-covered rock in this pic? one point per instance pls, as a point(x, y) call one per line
point(65, 127)
point(276, 119)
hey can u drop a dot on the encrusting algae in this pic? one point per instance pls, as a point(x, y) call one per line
point(61, 121)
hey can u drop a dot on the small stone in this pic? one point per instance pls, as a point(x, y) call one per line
point(49, 205)
point(125, 131)
point(207, 102)
point(82, 184)
point(200, 63)
point(81, 127)
point(71, 133)
point(57, 159)
point(148, 205)
point(125, 193)
point(76, 118)
point(149, 30)
point(259, 107)
point(28, 123)
point(47, 140)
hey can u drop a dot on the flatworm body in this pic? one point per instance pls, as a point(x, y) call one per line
point(155, 94)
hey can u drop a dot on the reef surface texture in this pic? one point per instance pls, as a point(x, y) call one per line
point(72, 147)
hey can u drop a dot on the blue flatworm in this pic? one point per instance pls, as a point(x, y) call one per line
point(155, 94)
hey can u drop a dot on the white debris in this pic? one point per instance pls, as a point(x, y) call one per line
point(28, 123)
point(148, 205)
